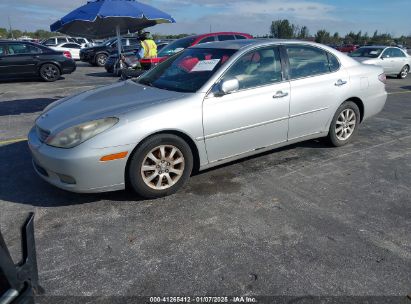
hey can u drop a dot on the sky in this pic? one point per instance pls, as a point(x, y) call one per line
point(249, 16)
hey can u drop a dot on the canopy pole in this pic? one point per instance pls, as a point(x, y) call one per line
point(118, 40)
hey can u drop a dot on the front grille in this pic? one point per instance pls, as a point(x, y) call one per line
point(42, 134)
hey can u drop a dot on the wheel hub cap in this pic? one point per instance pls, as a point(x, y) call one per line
point(345, 124)
point(162, 167)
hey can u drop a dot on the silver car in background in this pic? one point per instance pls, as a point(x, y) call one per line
point(207, 105)
point(394, 60)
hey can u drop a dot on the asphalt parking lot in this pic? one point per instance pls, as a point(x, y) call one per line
point(306, 219)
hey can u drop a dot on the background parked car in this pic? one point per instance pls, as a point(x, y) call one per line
point(98, 54)
point(183, 43)
point(347, 48)
point(84, 42)
point(394, 60)
point(21, 59)
point(72, 47)
point(53, 41)
point(176, 46)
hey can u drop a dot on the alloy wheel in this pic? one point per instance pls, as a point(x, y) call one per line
point(49, 72)
point(345, 124)
point(162, 167)
point(404, 72)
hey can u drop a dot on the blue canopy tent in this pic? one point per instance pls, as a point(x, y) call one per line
point(108, 18)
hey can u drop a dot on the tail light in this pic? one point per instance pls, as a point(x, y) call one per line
point(67, 54)
point(383, 78)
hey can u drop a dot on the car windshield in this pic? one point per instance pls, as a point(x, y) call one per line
point(187, 71)
point(176, 46)
point(367, 52)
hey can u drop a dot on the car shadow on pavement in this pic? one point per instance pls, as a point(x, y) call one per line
point(21, 106)
point(408, 88)
point(19, 183)
point(100, 74)
point(26, 79)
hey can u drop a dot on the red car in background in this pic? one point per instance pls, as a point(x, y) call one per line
point(183, 43)
point(347, 48)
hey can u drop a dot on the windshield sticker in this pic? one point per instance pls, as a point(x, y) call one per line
point(205, 65)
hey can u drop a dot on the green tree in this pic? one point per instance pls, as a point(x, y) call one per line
point(282, 29)
point(3, 32)
point(322, 36)
point(304, 33)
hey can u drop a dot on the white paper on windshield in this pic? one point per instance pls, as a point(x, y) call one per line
point(374, 53)
point(205, 65)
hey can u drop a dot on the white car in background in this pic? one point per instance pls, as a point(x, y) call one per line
point(84, 42)
point(394, 60)
point(73, 48)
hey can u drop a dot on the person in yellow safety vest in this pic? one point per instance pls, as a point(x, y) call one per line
point(148, 46)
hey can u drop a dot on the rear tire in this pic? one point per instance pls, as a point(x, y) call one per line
point(101, 60)
point(160, 166)
point(49, 72)
point(404, 72)
point(344, 125)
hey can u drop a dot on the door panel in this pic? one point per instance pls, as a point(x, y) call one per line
point(243, 121)
point(313, 102)
point(318, 86)
point(255, 116)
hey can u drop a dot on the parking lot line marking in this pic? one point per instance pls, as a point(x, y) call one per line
point(12, 141)
point(402, 92)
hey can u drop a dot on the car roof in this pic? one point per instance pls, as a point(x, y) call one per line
point(375, 46)
point(243, 43)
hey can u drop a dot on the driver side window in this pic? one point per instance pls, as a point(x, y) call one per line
point(256, 68)
point(386, 54)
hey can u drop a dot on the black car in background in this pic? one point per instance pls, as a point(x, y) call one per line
point(98, 54)
point(25, 59)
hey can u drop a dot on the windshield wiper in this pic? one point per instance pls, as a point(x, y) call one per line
point(147, 83)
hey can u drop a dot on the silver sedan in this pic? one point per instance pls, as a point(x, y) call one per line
point(207, 105)
point(395, 61)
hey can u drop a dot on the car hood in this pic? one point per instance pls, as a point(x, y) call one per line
point(107, 101)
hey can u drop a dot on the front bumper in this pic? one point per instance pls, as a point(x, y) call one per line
point(78, 169)
point(86, 57)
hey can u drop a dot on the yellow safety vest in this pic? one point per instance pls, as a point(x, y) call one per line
point(150, 48)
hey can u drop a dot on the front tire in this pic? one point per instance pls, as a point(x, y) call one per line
point(160, 166)
point(49, 72)
point(404, 72)
point(344, 124)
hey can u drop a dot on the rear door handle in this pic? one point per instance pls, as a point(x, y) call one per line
point(340, 83)
point(280, 94)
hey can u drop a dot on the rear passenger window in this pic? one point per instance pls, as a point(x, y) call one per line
point(307, 61)
point(225, 37)
point(61, 40)
point(397, 53)
point(333, 62)
point(240, 37)
point(2, 50)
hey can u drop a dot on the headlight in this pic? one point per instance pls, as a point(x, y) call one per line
point(74, 136)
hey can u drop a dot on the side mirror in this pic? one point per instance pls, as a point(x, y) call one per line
point(228, 86)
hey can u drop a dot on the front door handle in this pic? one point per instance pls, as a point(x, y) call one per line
point(280, 94)
point(340, 83)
